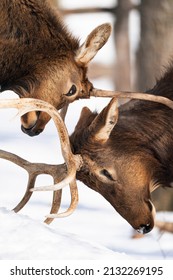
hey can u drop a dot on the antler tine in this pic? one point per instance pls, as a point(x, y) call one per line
point(73, 205)
point(27, 195)
point(26, 105)
point(33, 170)
point(32, 175)
point(73, 162)
point(132, 95)
point(56, 202)
point(63, 111)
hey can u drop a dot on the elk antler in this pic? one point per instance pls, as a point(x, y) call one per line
point(132, 95)
point(58, 172)
point(63, 174)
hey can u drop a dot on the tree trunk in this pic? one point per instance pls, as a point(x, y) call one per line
point(155, 51)
point(54, 2)
point(156, 44)
point(122, 76)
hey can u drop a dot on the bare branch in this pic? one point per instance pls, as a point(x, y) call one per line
point(88, 10)
point(164, 226)
point(113, 10)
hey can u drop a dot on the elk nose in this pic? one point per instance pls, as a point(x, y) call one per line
point(31, 132)
point(144, 229)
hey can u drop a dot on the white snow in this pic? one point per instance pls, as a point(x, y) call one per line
point(38, 241)
point(95, 230)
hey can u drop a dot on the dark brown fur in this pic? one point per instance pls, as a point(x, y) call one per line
point(32, 37)
point(40, 59)
point(135, 158)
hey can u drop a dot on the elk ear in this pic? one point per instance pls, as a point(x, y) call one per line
point(85, 113)
point(103, 124)
point(94, 42)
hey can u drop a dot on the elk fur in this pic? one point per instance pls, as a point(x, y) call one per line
point(134, 158)
point(32, 36)
point(40, 59)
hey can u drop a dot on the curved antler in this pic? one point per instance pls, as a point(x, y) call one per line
point(72, 207)
point(58, 172)
point(132, 95)
point(73, 162)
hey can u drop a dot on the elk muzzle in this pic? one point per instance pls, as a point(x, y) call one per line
point(33, 123)
point(149, 218)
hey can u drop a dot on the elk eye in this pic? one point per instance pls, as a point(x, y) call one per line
point(72, 91)
point(105, 173)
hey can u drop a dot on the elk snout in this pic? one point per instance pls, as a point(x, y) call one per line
point(147, 227)
point(33, 124)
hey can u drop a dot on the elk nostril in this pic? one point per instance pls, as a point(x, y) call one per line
point(38, 131)
point(38, 113)
point(31, 131)
point(144, 229)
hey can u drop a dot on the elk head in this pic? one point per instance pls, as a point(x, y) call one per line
point(41, 59)
point(62, 78)
point(115, 165)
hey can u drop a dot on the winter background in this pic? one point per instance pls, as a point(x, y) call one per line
point(94, 231)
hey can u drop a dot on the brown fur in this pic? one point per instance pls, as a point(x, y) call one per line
point(32, 37)
point(135, 158)
point(40, 59)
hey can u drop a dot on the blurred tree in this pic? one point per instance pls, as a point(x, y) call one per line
point(163, 199)
point(156, 42)
point(54, 2)
point(154, 53)
point(121, 32)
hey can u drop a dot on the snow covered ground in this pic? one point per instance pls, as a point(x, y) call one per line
point(95, 230)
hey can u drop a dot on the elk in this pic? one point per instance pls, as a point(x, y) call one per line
point(122, 153)
point(40, 59)
point(129, 154)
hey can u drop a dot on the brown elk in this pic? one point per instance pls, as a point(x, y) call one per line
point(127, 157)
point(40, 59)
point(122, 156)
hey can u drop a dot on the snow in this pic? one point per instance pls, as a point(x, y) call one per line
point(94, 231)
point(42, 242)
